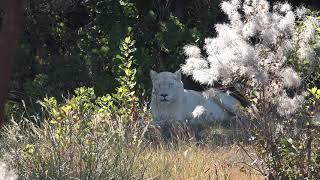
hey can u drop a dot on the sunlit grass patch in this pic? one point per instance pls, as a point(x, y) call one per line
point(188, 161)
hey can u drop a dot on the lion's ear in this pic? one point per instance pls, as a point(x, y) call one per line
point(178, 74)
point(153, 74)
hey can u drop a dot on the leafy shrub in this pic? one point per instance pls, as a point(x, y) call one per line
point(86, 137)
point(126, 97)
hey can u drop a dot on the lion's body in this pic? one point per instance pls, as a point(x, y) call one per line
point(171, 102)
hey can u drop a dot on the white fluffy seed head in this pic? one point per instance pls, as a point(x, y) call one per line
point(301, 12)
point(192, 51)
point(230, 7)
point(287, 106)
point(205, 76)
point(311, 24)
point(249, 29)
point(285, 7)
point(287, 23)
point(290, 78)
point(193, 64)
point(199, 111)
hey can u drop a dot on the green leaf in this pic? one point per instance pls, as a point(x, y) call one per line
point(313, 90)
point(127, 40)
point(128, 72)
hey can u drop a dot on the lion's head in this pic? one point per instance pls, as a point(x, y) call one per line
point(167, 87)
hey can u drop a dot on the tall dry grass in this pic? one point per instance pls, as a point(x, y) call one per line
point(188, 161)
point(110, 149)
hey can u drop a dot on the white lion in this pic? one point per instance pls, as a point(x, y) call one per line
point(170, 101)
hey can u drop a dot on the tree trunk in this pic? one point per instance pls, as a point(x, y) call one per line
point(11, 12)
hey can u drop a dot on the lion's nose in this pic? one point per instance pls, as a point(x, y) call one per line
point(164, 95)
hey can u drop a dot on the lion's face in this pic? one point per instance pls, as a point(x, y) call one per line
point(167, 87)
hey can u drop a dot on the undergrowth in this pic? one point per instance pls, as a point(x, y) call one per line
point(86, 138)
point(106, 149)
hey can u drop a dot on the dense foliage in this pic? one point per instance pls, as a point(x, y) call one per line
point(68, 44)
point(271, 55)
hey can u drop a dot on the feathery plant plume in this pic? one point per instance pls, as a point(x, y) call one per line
point(199, 111)
point(290, 77)
point(255, 45)
point(287, 105)
point(306, 38)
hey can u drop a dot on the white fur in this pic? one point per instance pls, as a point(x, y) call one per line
point(187, 105)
